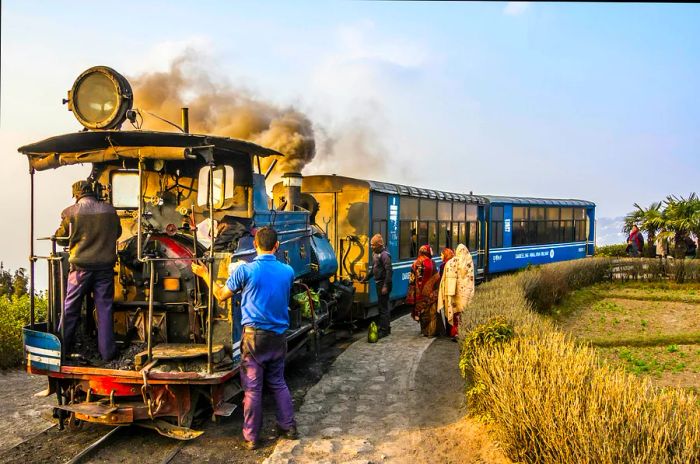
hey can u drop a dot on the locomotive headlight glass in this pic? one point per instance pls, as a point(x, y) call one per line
point(100, 98)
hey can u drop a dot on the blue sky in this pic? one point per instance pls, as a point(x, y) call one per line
point(591, 101)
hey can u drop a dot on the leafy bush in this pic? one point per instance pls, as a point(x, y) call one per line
point(489, 335)
point(547, 285)
point(650, 270)
point(14, 314)
point(552, 400)
point(611, 250)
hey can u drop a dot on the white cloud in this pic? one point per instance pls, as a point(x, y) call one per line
point(516, 8)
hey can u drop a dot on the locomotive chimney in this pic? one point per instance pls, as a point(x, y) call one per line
point(185, 120)
point(292, 188)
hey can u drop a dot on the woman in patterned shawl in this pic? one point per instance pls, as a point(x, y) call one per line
point(422, 270)
point(457, 287)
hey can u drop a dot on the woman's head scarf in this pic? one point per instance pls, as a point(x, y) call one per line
point(462, 257)
point(425, 250)
point(447, 254)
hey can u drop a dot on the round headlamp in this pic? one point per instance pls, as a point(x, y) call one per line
point(100, 98)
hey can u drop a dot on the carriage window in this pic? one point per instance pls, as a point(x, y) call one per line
point(444, 236)
point(223, 187)
point(428, 210)
point(496, 226)
point(580, 216)
point(125, 190)
point(408, 245)
point(408, 208)
point(422, 233)
point(473, 242)
point(380, 204)
point(408, 227)
point(566, 225)
point(553, 232)
point(444, 211)
point(433, 237)
point(471, 212)
point(520, 225)
point(458, 212)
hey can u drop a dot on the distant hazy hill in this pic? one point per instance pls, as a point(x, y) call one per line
point(609, 231)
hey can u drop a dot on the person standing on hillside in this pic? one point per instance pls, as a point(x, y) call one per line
point(634, 242)
point(266, 284)
point(661, 248)
point(90, 229)
point(382, 272)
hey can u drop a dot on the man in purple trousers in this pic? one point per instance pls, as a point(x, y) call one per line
point(266, 285)
point(90, 229)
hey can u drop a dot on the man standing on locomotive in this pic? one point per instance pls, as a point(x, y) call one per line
point(266, 284)
point(90, 229)
point(382, 273)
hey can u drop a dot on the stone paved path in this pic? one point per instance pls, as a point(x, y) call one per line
point(360, 410)
point(22, 414)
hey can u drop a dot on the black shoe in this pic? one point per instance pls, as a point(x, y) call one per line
point(250, 445)
point(291, 434)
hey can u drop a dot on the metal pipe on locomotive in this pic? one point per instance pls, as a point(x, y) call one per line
point(180, 347)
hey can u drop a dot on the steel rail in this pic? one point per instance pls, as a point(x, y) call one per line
point(174, 452)
point(88, 449)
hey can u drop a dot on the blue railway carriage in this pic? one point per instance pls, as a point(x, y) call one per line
point(524, 231)
point(350, 211)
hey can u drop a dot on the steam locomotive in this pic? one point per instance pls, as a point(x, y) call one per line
point(183, 197)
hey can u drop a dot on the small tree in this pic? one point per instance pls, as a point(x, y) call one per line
point(681, 217)
point(20, 283)
point(6, 289)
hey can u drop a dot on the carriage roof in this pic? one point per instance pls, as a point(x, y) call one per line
point(525, 201)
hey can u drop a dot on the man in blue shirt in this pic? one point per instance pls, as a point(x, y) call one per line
point(266, 285)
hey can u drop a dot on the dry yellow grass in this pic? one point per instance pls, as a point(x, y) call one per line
point(552, 400)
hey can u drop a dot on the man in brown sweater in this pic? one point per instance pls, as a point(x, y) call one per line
point(90, 229)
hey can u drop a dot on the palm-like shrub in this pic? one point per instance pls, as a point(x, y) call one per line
point(674, 219)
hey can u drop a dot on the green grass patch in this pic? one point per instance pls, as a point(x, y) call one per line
point(646, 340)
point(655, 360)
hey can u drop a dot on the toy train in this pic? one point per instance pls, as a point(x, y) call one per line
point(180, 347)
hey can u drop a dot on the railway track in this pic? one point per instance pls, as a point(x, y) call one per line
point(91, 447)
point(221, 442)
point(55, 446)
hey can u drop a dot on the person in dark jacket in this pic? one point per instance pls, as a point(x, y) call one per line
point(382, 273)
point(90, 229)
